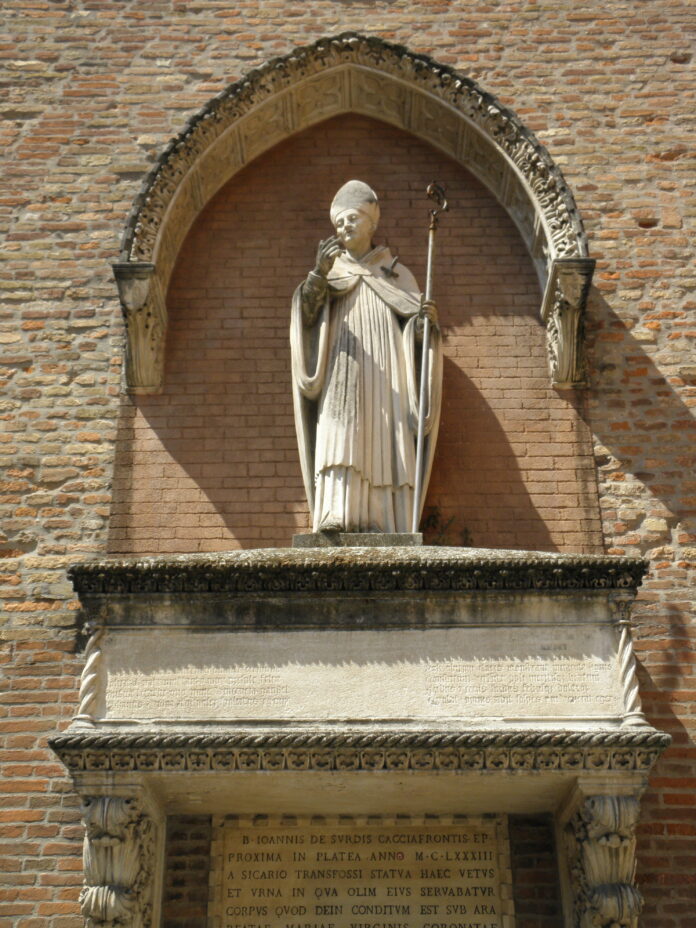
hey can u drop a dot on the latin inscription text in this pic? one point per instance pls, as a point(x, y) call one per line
point(362, 876)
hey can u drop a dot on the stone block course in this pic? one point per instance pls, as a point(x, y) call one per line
point(91, 95)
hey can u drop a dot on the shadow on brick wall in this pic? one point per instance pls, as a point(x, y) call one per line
point(476, 484)
point(646, 431)
point(477, 488)
point(645, 454)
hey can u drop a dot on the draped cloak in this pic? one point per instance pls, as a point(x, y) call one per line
point(355, 360)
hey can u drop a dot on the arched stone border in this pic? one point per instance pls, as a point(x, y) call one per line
point(352, 73)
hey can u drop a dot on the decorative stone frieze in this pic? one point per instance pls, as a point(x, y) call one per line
point(601, 844)
point(331, 570)
point(567, 653)
point(346, 73)
point(198, 751)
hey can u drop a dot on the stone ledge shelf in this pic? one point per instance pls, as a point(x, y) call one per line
point(367, 771)
point(378, 570)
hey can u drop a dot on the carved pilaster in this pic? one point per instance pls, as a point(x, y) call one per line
point(89, 681)
point(563, 313)
point(600, 844)
point(633, 714)
point(121, 855)
point(146, 325)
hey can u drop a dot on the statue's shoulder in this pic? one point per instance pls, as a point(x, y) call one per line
point(389, 268)
point(406, 281)
point(380, 266)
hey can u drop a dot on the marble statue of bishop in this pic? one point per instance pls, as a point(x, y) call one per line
point(355, 340)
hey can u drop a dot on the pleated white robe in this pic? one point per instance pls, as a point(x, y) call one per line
point(364, 459)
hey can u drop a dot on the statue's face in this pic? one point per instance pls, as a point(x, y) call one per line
point(354, 229)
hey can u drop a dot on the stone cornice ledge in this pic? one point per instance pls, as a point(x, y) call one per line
point(377, 570)
point(196, 751)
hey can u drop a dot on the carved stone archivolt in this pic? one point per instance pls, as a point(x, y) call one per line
point(347, 73)
point(601, 846)
point(118, 859)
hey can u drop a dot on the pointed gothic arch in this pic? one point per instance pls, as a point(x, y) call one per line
point(352, 73)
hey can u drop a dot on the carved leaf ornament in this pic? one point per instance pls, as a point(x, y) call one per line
point(601, 843)
point(117, 858)
point(352, 73)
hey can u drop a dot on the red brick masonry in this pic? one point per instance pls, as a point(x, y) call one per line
point(91, 92)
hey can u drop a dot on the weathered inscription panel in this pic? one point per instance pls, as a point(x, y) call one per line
point(524, 674)
point(435, 872)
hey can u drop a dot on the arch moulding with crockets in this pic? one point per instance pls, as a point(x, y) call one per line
point(352, 73)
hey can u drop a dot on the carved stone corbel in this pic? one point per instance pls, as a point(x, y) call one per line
point(122, 840)
point(600, 844)
point(146, 324)
point(562, 312)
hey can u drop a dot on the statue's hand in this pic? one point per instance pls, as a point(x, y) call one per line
point(429, 310)
point(327, 252)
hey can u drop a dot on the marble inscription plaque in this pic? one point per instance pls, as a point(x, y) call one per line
point(526, 674)
point(493, 686)
point(432, 872)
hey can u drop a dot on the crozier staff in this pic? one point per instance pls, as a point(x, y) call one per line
point(354, 332)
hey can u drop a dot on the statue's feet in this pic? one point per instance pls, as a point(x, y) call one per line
point(331, 526)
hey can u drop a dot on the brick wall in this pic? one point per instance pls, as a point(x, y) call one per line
point(91, 91)
point(40, 831)
point(535, 876)
point(187, 868)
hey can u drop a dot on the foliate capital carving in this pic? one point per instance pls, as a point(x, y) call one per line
point(145, 314)
point(118, 857)
point(563, 312)
point(133, 282)
point(601, 842)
